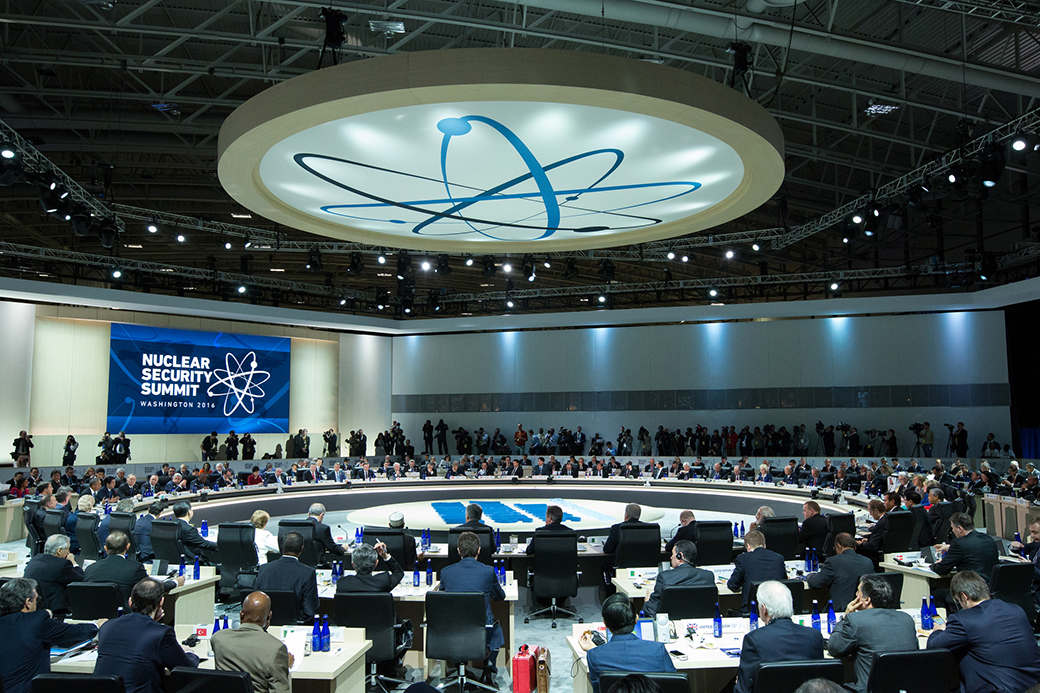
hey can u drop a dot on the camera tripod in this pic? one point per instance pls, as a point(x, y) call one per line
point(917, 448)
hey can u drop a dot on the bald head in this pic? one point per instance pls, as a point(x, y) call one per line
point(256, 608)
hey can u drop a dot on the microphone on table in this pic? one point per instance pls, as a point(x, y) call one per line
point(349, 543)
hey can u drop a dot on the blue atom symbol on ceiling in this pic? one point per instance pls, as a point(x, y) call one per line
point(553, 206)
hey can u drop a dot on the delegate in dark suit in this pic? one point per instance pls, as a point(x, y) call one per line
point(813, 534)
point(323, 535)
point(974, 551)
point(470, 575)
point(123, 571)
point(29, 637)
point(139, 649)
point(687, 532)
point(473, 526)
point(994, 646)
point(610, 545)
point(842, 572)
point(683, 575)
point(926, 537)
point(192, 540)
point(781, 640)
point(758, 565)
point(287, 573)
point(143, 535)
point(53, 575)
point(626, 652)
point(550, 528)
point(373, 582)
point(862, 633)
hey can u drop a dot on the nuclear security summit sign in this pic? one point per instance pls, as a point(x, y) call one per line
point(180, 381)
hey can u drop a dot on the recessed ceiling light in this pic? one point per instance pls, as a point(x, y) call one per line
point(236, 215)
point(135, 246)
point(277, 269)
point(507, 268)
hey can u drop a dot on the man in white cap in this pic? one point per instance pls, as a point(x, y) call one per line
point(409, 557)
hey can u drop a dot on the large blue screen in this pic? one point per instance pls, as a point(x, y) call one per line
point(178, 381)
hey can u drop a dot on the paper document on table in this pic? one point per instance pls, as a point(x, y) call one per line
point(88, 656)
point(295, 643)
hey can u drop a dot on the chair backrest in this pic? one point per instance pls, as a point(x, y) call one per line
point(455, 627)
point(714, 542)
point(786, 677)
point(555, 565)
point(81, 683)
point(87, 535)
point(836, 524)
point(895, 579)
point(1012, 583)
point(375, 613)
point(237, 547)
point(689, 602)
point(208, 681)
point(93, 600)
point(942, 531)
point(285, 610)
point(33, 540)
point(668, 683)
point(165, 544)
point(920, 517)
point(900, 527)
point(487, 545)
point(797, 588)
point(313, 554)
point(125, 523)
point(781, 535)
point(53, 523)
point(393, 538)
point(638, 546)
point(921, 671)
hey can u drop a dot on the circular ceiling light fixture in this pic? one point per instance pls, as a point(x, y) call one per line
point(500, 151)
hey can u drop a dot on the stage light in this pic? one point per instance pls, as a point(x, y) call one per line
point(80, 221)
point(343, 301)
point(241, 289)
point(469, 261)
point(433, 300)
point(834, 286)
point(181, 238)
point(249, 242)
point(117, 273)
point(153, 226)
point(685, 258)
point(571, 269)
point(671, 255)
point(845, 239)
point(547, 263)
point(729, 254)
point(108, 232)
point(528, 267)
point(488, 266)
point(404, 265)
point(506, 267)
point(8, 151)
point(713, 292)
point(991, 167)
point(509, 303)
point(755, 247)
point(227, 245)
point(381, 259)
point(356, 264)
point(443, 267)
point(606, 270)
point(602, 298)
point(667, 274)
point(314, 263)
point(952, 177)
point(988, 269)
point(857, 218)
point(1019, 144)
point(425, 265)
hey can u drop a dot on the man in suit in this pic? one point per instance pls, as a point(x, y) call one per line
point(687, 530)
point(814, 530)
point(872, 623)
point(842, 571)
point(322, 532)
point(143, 531)
point(250, 648)
point(969, 550)
point(871, 545)
point(913, 504)
point(632, 513)
point(517, 471)
point(778, 639)
point(473, 522)
point(682, 574)
point(625, 651)
point(29, 632)
point(139, 648)
point(470, 575)
point(992, 640)
point(130, 487)
point(364, 559)
point(121, 569)
point(553, 523)
point(188, 535)
point(287, 573)
point(53, 570)
point(47, 502)
point(124, 506)
point(84, 504)
point(756, 564)
point(1031, 551)
point(152, 487)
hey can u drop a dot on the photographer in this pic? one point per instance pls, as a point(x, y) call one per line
point(890, 441)
point(105, 456)
point(22, 445)
point(801, 441)
point(828, 439)
point(927, 436)
point(248, 447)
point(852, 437)
point(331, 443)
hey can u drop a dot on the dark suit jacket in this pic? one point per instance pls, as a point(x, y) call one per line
point(192, 540)
point(554, 527)
point(517, 471)
point(373, 582)
point(128, 491)
point(863, 633)
point(685, 575)
point(781, 640)
point(287, 573)
point(842, 572)
point(125, 572)
point(139, 649)
point(29, 637)
point(927, 536)
point(994, 645)
point(755, 566)
point(53, 575)
point(627, 653)
point(813, 534)
point(143, 534)
point(876, 538)
point(470, 575)
point(323, 535)
point(474, 526)
point(687, 532)
point(610, 545)
point(974, 551)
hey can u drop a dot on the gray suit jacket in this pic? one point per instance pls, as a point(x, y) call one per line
point(683, 576)
point(264, 657)
point(863, 633)
point(842, 573)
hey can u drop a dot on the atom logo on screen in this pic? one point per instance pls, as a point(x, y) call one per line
point(239, 387)
point(498, 171)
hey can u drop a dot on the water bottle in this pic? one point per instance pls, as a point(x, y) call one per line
point(326, 635)
point(197, 571)
point(926, 615)
point(808, 560)
point(316, 635)
point(502, 573)
point(753, 616)
point(180, 571)
point(216, 626)
point(832, 620)
point(931, 606)
point(815, 561)
point(361, 533)
point(741, 529)
point(415, 578)
point(225, 626)
point(357, 536)
point(815, 614)
point(204, 529)
point(736, 531)
point(716, 627)
point(429, 573)
point(498, 540)
point(335, 573)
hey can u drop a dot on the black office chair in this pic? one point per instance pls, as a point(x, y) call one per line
point(942, 529)
point(313, 552)
point(125, 523)
point(285, 610)
point(900, 527)
point(165, 544)
point(1012, 583)
point(923, 671)
point(688, 602)
point(456, 633)
point(781, 535)
point(554, 573)
point(375, 613)
point(668, 683)
point(487, 545)
point(836, 524)
point(53, 523)
point(786, 677)
point(81, 683)
point(193, 680)
point(33, 540)
point(638, 547)
point(895, 580)
point(714, 542)
point(89, 601)
point(238, 560)
point(920, 518)
point(90, 548)
point(797, 588)
point(394, 540)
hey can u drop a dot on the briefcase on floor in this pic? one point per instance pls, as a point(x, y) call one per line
point(542, 664)
point(524, 670)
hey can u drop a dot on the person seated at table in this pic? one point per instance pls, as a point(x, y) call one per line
point(968, 550)
point(287, 573)
point(124, 506)
point(188, 535)
point(176, 484)
point(632, 513)
point(761, 514)
point(84, 504)
point(872, 624)
point(264, 541)
point(682, 574)
point(841, 571)
point(913, 503)
point(814, 478)
point(870, 546)
point(409, 556)
point(250, 648)
point(553, 523)
point(255, 478)
point(129, 488)
point(143, 531)
point(992, 639)
point(1030, 550)
point(778, 638)
point(364, 559)
point(429, 471)
point(322, 532)
point(54, 569)
point(687, 529)
point(790, 478)
point(764, 477)
point(624, 651)
point(814, 530)
point(756, 564)
point(118, 568)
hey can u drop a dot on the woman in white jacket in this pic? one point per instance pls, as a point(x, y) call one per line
point(264, 540)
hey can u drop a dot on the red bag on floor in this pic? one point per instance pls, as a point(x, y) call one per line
point(525, 670)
